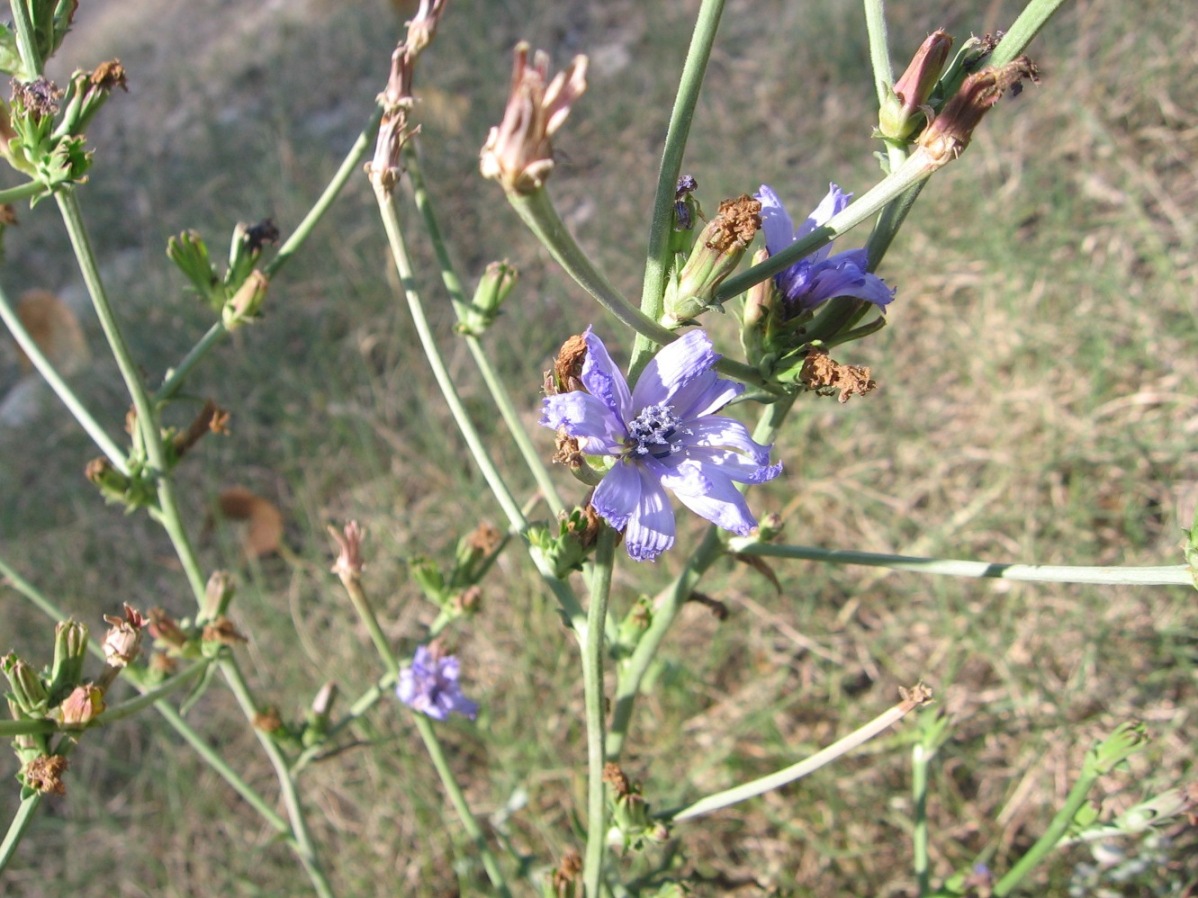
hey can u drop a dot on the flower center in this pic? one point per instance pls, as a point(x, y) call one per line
point(652, 432)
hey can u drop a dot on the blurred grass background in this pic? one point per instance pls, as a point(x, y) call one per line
point(1037, 403)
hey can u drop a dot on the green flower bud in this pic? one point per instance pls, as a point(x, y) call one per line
point(908, 104)
point(493, 288)
point(83, 705)
point(246, 303)
point(28, 690)
point(70, 650)
point(717, 252)
point(190, 255)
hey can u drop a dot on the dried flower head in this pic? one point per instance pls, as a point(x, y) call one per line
point(348, 565)
point(123, 640)
point(44, 773)
point(519, 152)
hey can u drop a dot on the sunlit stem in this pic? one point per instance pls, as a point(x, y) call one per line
point(20, 821)
point(657, 257)
point(879, 50)
point(1034, 17)
point(50, 375)
point(349, 166)
point(357, 596)
point(537, 211)
point(26, 42)
point(1165, 575)
point(797, 771)
point(921, 755)
point(593, 652)
point(425, 727)
point(457, 295)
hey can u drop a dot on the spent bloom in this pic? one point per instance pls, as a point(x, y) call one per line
point(816, 278)
point(430, 686)
point(663, 434)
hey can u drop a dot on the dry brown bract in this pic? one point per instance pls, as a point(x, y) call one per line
point(824, 375)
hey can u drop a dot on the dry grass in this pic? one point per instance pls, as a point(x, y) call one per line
point(1037, 403)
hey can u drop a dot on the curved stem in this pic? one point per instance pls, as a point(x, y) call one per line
point(594, 649)
point(303, 230)
point(657, 256)
point(537, 211)
point(1034, 17)
point(457, 295)
point(494, 872)
point(1165, 575)
point(60, 387)
point(803, 768)
point(28, 190)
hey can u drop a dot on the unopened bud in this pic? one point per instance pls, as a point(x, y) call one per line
point(348, 565)
point(908, 104)
point(493, 288)
point(28, 690)
point(218, 593)
point(246, 304)
point(70, 649)
point(717, 252)
point(165, 630)
point(123, 640)
point(83, 705)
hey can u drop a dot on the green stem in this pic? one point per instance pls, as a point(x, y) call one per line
point(593, 652)
point(26, 42)
point(364, 703)
point(304, 848)
point(1164, 575)
point(349, 166)
point(22, 818)
point(1034, 17)
point(879, 50)
point(51, 376)
point(657, 256)
point(457, 295)
point(366, 614)
point(912, 172)
point(1055, 832)
point(147, 418)
point(153, 696)
point(28, 190)
point(921, 755)
point(33, 726)
point(797, 771)
point(425, 727)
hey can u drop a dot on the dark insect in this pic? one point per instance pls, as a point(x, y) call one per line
point(683, 219)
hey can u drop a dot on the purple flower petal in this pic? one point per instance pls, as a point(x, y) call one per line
point(678, 364)
point(650, 530)
point(430, 686)
point(587, 419)
point(603, 379)
point(718, 432)
point(775, 222)
point(617, 495)
point(722, 504)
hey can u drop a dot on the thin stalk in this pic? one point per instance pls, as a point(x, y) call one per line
point(912, 172)
point(457, 295)
point(33, 726)
point(50, 375)
point(147, 418)
point(657, 255)
point(302, 846)
point(424, 726)
point(357, 596)
point(666, 608)
point(26, 44)
point(350, 165)
point(921, 755)
point(1048, 841)
point(1034, 17)
point(28, 190)
point(537, 211)
point(361, 705)
point(24, 815)
point(1165, 575)
point(796, 771)
point(593, 652)
point(879, 49)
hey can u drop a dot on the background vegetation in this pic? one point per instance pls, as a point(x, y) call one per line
point(1037, 403)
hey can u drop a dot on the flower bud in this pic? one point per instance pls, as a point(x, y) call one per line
point(83, 705)
point(475, 552)
point(246, 303)
point(717, 252)
point(87, 92)
point(493, 288)
point(908, 104)
point(28, 690)
point(166, 631)
point(348, 565)
point(760, 319)
point(519, 152)
point(218, 593)
point(564, 548)
point(70, 649)
point(123, 640)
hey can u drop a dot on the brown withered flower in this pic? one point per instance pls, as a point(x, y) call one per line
point(223, 631)
point(123, 640)
point(44, 773)
point(824, 375)
point(348, 565)
point(519, 151)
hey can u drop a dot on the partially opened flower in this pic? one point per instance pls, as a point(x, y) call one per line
point(430, 685)
point(814, 279)
point(664, 434)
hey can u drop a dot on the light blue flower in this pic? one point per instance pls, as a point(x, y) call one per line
point(430, 686)
point(816, 278)
point(664, 434)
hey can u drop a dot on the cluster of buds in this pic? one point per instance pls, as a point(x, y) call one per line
point(563, 548)
point(397, 100)
point(458, 593)
point(632, 827)
point(518, 152)
point(238, 294)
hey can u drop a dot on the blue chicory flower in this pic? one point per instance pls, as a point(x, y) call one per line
point(816, 278)
point(430, 686)
point(663, 435)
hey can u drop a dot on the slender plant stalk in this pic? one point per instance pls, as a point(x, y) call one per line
point(494, 872)
point(1166, 575)
point(20, 821)
point(1034, 17)
point(593, 652)
point(46, 369)
point(796, 771)
point(657, 256)
point(28, 190)
point(457, 295)
point(365, 610)
point(879, 48)
point(26, 45)
point(921, 756)
point(33, 726)
point(349, 166)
